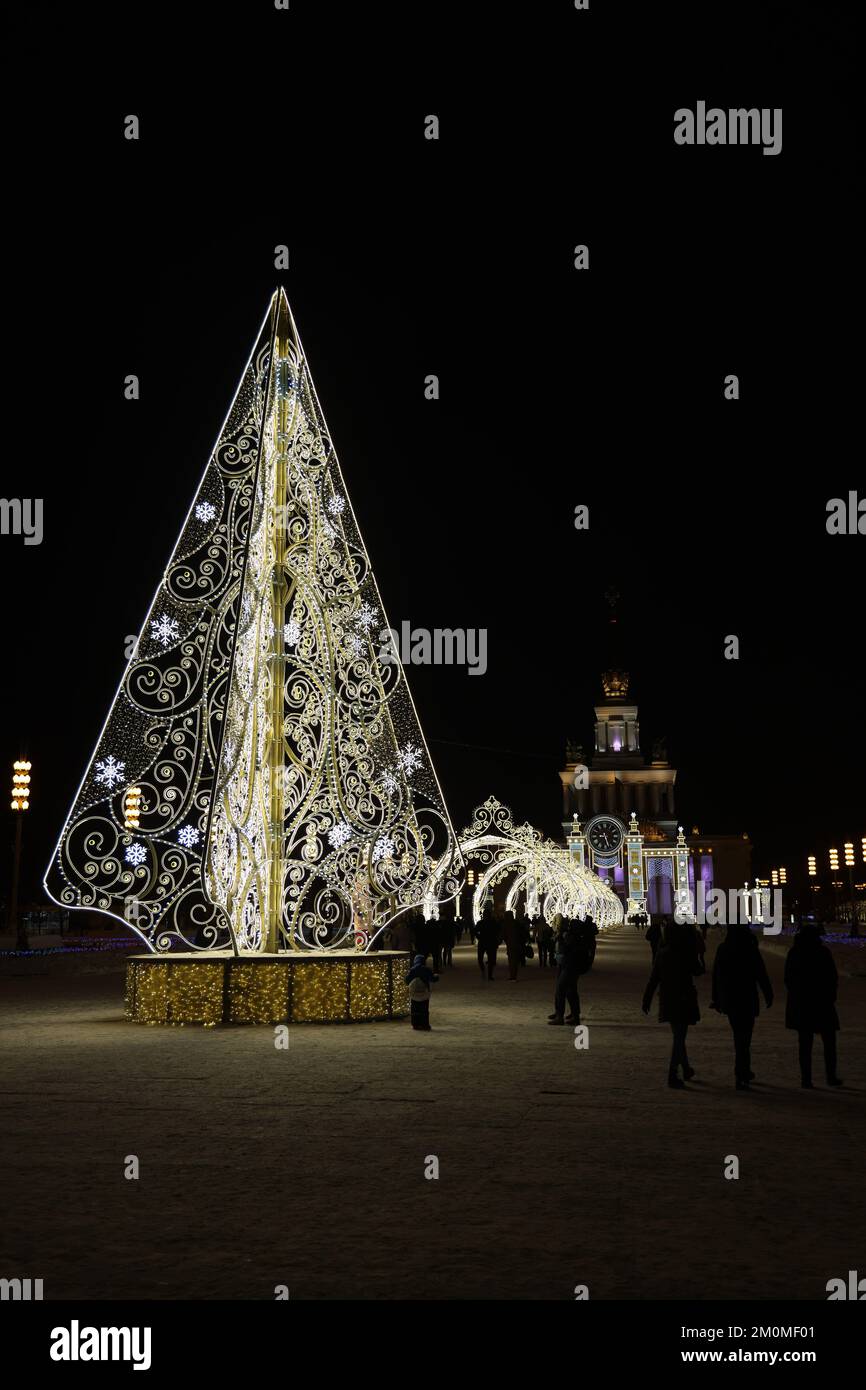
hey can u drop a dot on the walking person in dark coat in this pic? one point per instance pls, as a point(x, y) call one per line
point(418, 933)
point(587, 931)
point(811, 979)
point(544, 942)
point(449, 935)
point(738, 972)
point(675, 965)
point(700, 939)
point(488, 939)
point(573, 956)
point(433, 943)
point(565, 987)
point(419, 980)
point(654, 936)
point(515, 943)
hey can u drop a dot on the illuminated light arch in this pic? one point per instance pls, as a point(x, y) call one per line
point(544, 873)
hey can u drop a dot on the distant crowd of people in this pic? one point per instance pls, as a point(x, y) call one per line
point(739, 979)
point(568, 946)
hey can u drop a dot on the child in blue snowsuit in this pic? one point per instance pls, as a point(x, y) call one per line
point(419, 980)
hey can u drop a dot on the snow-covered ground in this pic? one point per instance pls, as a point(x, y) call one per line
point(306, 1166)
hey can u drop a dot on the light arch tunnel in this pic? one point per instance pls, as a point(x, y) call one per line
point(544, 881)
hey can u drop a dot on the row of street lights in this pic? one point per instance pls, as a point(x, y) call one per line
point(20, 803)
point(849, 860)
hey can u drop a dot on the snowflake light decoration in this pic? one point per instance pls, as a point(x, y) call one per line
point(292, 633)
point(188, 836)
point(205, 511)
point(367, 615)
point(340, 835)
point(135, 854)
point(410, 759)
point(164, 630)
point(383, 848)
point(109, 771)
point(337, 505)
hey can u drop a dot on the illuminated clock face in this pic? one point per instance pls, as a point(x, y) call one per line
point(604, 834)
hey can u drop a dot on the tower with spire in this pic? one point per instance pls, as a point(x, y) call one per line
point(619, 778)
point(618, 805)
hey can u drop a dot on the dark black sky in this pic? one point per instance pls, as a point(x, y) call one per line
point(558, 388)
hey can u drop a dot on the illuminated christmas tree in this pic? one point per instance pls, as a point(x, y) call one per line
point(262, 782)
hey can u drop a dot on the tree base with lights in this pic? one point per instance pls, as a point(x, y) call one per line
point(285, 987)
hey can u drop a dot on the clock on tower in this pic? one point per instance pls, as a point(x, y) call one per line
point(605, 835)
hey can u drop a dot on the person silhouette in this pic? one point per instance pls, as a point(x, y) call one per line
point(675, 964)
point(811, 979)
point(654, 936)
point(544, 942)
point(489, 936)
point(514, 933)
point(574, 950)
point(448, 932)
point(738, 972)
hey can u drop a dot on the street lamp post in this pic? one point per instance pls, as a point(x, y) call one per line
point(20, 804)
point(783, 883)
point(812, 865)
point(834, 869)
point(849, 865)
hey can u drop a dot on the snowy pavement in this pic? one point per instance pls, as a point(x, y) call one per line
point(306, 1167)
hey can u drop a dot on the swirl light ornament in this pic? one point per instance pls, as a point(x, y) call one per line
point(286, 796)
point(543, 873)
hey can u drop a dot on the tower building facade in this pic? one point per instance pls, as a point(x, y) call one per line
point(620, 815)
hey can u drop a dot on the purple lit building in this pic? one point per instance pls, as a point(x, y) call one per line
point(619, 815)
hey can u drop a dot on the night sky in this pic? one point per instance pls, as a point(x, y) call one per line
point(558, 388)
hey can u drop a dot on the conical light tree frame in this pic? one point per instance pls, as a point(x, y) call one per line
point(262, 782)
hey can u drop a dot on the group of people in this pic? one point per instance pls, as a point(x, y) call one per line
point(435, 939)
point(567, 944)
point(551, 942)
point(498, 928)
point(739, 978)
